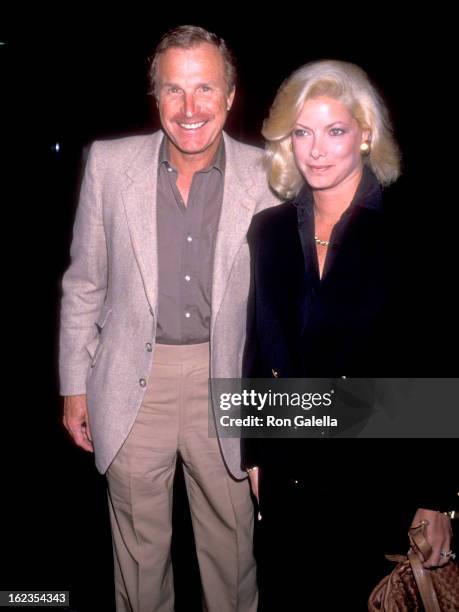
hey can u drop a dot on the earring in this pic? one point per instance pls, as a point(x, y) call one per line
point(365, 148)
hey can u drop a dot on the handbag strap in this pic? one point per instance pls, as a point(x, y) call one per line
point(421, 575)
point(419, 541)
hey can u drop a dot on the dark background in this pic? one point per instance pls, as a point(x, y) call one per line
point(74, 78)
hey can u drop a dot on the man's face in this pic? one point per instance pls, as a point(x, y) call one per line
point(193, 99)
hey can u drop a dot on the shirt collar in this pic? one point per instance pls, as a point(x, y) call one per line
point(218, 161)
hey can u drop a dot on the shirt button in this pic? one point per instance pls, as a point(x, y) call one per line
point(189, 238)
point(148, 347)
point(188, 278)
point(187, 315)
point(169, 169)
point(142, 382)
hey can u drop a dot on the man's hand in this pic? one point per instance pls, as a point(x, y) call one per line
point(438, 533)
point(253, 478)
point(75, 420)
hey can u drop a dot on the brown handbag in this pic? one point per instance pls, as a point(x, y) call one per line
point(412, 588)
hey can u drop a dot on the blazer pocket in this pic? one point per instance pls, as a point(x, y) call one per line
point(95, 345)
point(94, 349)
point(103, 319)
point(91, 347)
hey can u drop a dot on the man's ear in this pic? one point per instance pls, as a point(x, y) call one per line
point(230, 99)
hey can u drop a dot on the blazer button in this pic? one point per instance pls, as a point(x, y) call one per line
point(148, 347)
point(142, 382)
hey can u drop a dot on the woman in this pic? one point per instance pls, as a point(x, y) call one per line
point(325, 302)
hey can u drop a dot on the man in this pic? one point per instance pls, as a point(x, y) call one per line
point(154, 302)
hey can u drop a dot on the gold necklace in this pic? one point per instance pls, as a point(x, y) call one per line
point(324, 243)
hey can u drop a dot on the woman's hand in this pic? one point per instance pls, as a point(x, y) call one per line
point(438, 533)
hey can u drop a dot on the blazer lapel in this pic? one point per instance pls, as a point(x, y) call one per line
point(139, 198)
point(238, 207)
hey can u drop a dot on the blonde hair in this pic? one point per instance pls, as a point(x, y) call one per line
point(350, 85)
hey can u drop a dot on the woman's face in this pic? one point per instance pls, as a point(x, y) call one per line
point(326, 143)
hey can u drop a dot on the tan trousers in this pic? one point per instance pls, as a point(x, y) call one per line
point(174, 418)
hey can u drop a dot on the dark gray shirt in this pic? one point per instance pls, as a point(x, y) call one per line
point(186, 241)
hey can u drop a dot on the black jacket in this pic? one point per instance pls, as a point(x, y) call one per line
point(299, 325)
point(356, 322)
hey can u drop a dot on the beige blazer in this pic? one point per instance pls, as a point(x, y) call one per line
point(110, 290)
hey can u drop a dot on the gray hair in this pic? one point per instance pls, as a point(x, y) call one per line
point(188, 37)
